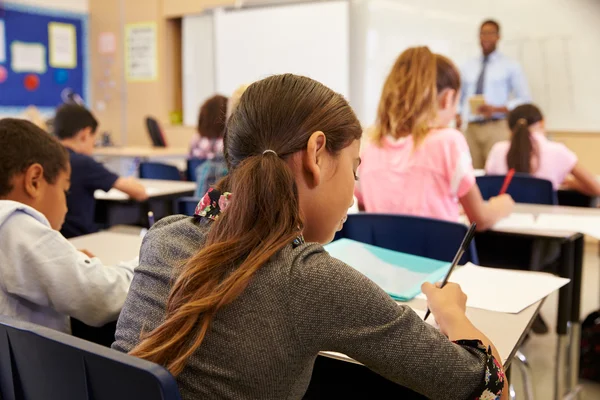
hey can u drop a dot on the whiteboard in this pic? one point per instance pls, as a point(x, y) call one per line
point(557, 43)
point(197, 64)
point(305, 39)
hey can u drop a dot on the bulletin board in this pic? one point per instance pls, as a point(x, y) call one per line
point(42, 53)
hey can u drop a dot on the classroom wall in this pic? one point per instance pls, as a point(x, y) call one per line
point(132, 101)
point(585, 144)
point(79, 6)
point(122, 109)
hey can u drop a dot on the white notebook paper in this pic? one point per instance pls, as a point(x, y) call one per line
point(517, 221)
point(503, 290)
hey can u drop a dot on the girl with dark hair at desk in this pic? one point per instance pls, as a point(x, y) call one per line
point(238, 300)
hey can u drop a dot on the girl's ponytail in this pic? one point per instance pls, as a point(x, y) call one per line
point(521, 146)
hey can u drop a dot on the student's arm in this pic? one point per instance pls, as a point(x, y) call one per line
point(131, 187)
point(463, 185)
point(334, 307)
point(486, 214)
point(584, 181)
point(99, 177)
point(448, 306)
point(46, 269)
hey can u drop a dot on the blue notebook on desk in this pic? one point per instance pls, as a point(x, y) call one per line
point(400, 275)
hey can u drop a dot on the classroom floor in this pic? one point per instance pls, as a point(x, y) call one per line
point(541, 350)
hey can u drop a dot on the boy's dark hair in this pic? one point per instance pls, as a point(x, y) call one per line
point(24, 144)
point(491, 22)
point(72, 118)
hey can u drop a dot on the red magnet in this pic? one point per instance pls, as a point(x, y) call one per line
point(31, 82)
point(3, 74)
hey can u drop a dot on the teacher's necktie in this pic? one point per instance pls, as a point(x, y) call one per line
point(481, 79)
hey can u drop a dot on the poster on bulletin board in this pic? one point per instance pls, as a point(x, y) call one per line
point(42, 55)
point(62, 45)
point(141, 55)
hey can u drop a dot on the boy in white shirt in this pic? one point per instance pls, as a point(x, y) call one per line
point(44, 279)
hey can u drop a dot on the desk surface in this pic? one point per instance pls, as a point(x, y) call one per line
point(504, 330)
point(146, 152)
point(110, 247)
point(537, 209)
point(154, 188)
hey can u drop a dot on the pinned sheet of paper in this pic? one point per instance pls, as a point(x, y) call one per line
point(141, 55)
point(2, 42)
point(28, 57)
point(62, 43)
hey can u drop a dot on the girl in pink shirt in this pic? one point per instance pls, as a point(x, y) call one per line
point(529, 151)
point(415, 164)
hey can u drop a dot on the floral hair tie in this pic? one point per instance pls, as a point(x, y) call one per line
point(212, 204)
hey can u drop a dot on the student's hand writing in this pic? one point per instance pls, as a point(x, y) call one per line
point(448, 305)
point(504, 203)
point(87, 253)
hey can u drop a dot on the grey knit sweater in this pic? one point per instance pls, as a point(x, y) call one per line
point(264, 344)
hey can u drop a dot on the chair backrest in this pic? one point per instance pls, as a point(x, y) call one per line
point(425, 237)
point(573, 198)
point(523, 188)
point(153, 170)
point(192, 164)
point(186, 205)
point(155, 132)
point(38, 363)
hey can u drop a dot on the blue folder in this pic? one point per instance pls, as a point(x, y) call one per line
point(400, 275)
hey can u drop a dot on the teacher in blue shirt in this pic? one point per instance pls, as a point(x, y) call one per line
point(493, 84)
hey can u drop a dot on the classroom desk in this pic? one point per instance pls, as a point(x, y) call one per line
point(121, 160)
point(156, 189)
point(570, 264)
point(110, 247)
point(115, 207)
point(142, 152)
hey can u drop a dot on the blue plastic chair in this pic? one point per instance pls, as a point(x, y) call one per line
point(192, 165)
point(153, 170)
point(37, 363)
point(425, 237)
point(523, 188)
point(186, 205)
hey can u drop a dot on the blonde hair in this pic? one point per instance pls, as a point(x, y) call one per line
point(409, 100)
point(234, 100)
